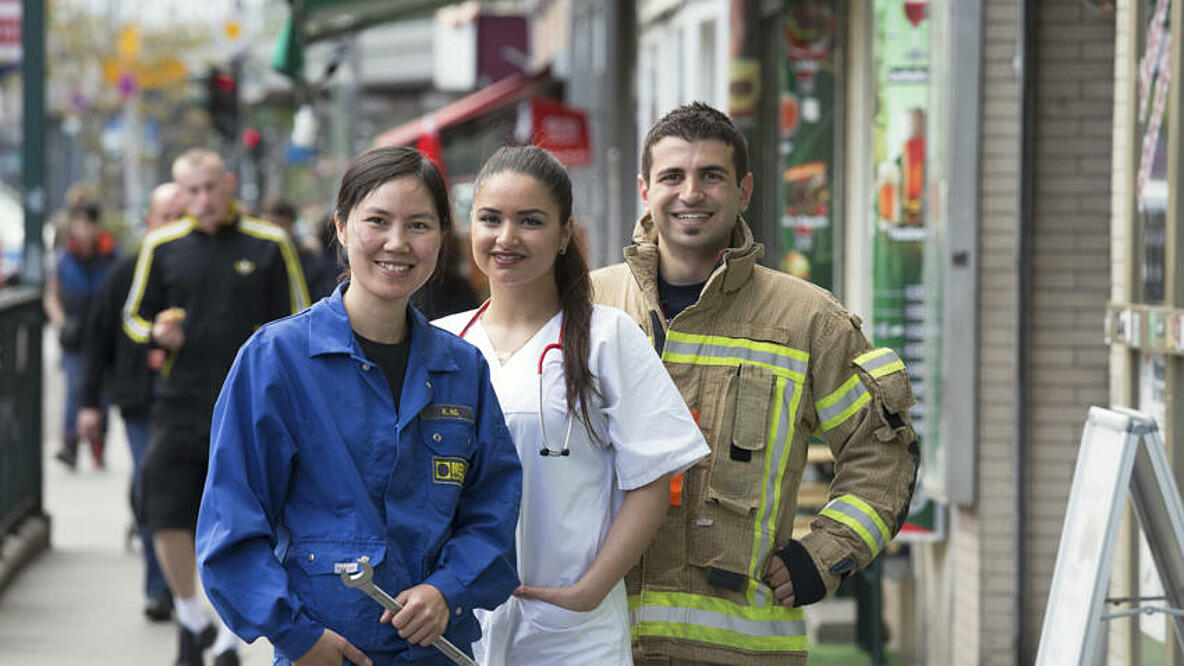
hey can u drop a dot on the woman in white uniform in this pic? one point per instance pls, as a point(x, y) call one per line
point(599, 425)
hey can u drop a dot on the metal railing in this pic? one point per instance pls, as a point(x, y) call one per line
point(21, 321)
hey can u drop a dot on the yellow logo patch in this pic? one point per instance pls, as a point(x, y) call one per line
point(244, 267)
point(449, 470)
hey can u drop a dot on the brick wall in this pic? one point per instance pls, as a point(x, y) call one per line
point(1070, 248)
point(985, 602)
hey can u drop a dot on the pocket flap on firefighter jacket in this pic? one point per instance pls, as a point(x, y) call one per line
point(751, 426)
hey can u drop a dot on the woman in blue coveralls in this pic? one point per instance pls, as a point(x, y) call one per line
point(355, 429)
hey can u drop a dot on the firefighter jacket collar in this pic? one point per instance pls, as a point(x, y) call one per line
point(737, 263)
point(329, 332)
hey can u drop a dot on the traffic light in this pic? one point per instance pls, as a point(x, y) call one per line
point(222, 102)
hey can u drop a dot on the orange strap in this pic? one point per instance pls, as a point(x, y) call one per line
point(676, 481)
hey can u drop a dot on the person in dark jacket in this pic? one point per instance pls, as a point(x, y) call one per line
point(115, 362)
point(82, 264)
point(320, 269)
point(202, 286)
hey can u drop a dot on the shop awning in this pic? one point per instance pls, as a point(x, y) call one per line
point(315, 20)
point(512, 89)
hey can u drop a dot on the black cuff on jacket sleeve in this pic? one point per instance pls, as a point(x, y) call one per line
point(807, 584)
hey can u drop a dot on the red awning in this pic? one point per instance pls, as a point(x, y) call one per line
point(509, 90)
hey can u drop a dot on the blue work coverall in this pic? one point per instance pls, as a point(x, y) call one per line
point(311, 465)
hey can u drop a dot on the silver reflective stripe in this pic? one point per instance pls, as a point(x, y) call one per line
point(862, 518)
point(779, 449)
point(744, 353)
point(706, 618)
point(888, 357)
point(826, 414)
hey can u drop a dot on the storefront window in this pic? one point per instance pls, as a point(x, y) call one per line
point(1151, 201)
point(809, 188)
point(1151, 182)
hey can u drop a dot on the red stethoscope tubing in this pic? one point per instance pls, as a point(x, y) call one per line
point(546, 450)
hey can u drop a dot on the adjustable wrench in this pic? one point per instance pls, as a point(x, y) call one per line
point(361, 576)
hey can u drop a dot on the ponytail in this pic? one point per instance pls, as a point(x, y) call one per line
point(575, 298)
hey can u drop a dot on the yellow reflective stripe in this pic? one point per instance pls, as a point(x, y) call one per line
point(779, 449)
point(717, 621)
point(694, 349)
point(860, 517)
point(714, 636)
point(755, 345)
point(879, 362)
point(693, 359)
point(136, 327)
point(297, 288)
point(836, 408)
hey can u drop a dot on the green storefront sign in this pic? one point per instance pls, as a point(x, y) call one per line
point(808, 187)
point(899, 217)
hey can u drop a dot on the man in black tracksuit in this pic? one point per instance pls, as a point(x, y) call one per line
point(202, 285)
point(115, 362)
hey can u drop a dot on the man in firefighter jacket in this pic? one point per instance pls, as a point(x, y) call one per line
point(763, 359)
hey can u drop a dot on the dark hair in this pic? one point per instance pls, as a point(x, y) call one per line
point(280, 208)
point(695, 122)
point(84, 210)
point(571, 267)
point(373, 168)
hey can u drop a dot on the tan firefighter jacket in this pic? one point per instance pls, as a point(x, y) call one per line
point(763, 359)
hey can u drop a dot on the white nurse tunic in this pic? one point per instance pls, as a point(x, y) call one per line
point(568, 502)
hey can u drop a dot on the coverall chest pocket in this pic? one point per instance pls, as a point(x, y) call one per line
point(449, 444)
point(738, 461)
point(327, 600)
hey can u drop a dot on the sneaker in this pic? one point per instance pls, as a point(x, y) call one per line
point(227, 658)
point(190, 644)
point(159, 608)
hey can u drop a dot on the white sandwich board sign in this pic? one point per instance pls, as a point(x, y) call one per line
point(1121, 452)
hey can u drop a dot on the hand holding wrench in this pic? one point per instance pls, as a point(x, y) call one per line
point(362, 577)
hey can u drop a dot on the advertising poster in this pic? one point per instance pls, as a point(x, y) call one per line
point(808, 188)
point(899, 216)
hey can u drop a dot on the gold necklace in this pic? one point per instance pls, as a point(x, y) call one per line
point(502, 356)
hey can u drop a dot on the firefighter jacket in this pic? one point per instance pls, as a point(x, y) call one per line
point(229, 283)
point(764, 360)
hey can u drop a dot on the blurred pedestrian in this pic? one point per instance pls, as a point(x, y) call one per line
point(320, 271)
point(116, 363)
point(86, 256)
point(357, 429)
point(201, 287)
point(449, 291)
point(599, 426)
point(766, 360)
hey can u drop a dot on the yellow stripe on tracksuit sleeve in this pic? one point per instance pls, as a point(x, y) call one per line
point(861, 518)
point(136, 327)
point(836, 408)
point(297, 287)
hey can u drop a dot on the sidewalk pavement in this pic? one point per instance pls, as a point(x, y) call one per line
point(81, 602)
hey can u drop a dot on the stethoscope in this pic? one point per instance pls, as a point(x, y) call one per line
point(546, 450)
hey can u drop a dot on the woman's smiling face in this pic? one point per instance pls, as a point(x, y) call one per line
point(392, 238)
point(516, 230)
